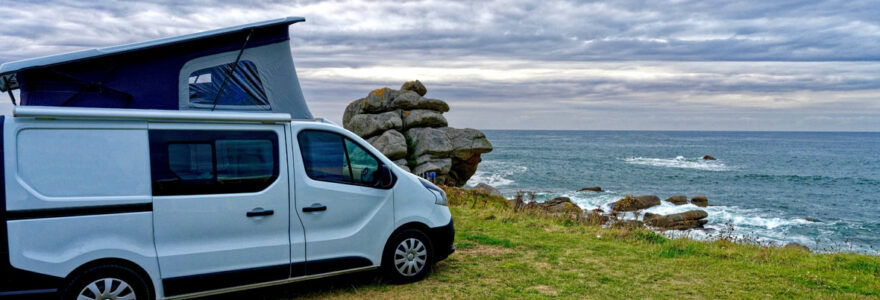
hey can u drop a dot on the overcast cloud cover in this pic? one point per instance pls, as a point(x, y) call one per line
point(680, 65)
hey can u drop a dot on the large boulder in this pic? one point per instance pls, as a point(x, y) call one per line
point(379, 100)
point(423, 118)
point(678, 200)
point(391, 143)
point(415, 86)
point(700, 201)
point(680, 221)
point(430, 146)
point(368, 125)
point(708, 157)
point(354, 108)
point(467, 142)
point(631, 203)
point(486, 189)
point(439, 165)
point(408, 100)
point(430, 141)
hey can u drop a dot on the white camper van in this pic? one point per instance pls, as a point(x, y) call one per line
point(191, 166)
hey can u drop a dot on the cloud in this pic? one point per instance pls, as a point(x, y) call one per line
point(711, 63)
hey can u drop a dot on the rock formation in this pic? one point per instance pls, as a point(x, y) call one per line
point(630, 203)
point(592, 189)
point(412, 131)
point(483, 188)
point(700, 201)
point(678, 200)
point(680, 221)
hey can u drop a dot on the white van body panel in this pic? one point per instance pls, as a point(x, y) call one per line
point(67, 163)
point(57, 246)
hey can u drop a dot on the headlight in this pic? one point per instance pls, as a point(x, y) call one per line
point(439, 194)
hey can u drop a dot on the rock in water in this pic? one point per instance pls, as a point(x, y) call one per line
point(708, 157)
point(415, 86)
point(391, 143)
point(486, 189)
point(592, 189)
point(700, 201)
point(431, 146)
point(678, 200)
point(630, 203)
point(680, 221)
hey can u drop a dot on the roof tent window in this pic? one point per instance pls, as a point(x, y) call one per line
point(242, 90)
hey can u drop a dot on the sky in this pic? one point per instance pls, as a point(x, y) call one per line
point(584, 65)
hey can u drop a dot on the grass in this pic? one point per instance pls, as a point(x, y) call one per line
point(527, 254)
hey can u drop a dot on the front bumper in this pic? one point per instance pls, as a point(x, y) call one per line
point(443, 238)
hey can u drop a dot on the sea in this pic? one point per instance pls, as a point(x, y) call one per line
point(818, 189)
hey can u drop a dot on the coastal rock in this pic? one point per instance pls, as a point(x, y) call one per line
point(409, 100)
point(797, 247)
point(561, 205)
point(632, 224)
point(700, 201)
point(430, 141)
point(440, 166)
point(630, 203)
point(486, 189)
point(423, 118)
point(391, 143)
point(678, 200)
point(415, 86)
point(592, 189)
point(467, 142)
point(680, 221)
point(431, 146)
point(708, 157)
point(379, 100)
point(354, 108)
point(368, 125)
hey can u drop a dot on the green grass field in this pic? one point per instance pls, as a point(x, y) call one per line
point(502, 254)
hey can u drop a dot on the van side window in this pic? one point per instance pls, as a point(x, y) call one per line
point(332, 157)
point(364, 166)
point(189, 162)
point(324, 156)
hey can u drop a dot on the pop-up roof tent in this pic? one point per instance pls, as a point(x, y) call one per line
point(247, 67)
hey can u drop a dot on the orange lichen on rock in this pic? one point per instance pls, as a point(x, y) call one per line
point(378, 92)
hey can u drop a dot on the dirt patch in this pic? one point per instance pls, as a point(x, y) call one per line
point(545, 289)
point(484, 250)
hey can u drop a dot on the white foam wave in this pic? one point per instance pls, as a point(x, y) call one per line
point(496, 173)
point(746, 223)
point(680, 162)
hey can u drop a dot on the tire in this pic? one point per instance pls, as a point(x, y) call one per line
point(408, 256)
point(91, 283)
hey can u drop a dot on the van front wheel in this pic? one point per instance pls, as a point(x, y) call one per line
point(107, 282)
point(408, 257)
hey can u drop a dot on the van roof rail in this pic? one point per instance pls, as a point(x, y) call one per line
point(146, 114)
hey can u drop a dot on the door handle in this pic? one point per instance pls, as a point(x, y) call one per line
point(259, 212)
point(315, 207)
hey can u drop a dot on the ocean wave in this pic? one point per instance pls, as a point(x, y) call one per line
point(680, 162)
point(496, 173)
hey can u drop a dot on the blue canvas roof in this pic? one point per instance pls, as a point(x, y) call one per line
point(154, 74)
point(45, 61)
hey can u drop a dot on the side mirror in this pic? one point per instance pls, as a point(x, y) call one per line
point(385, 177)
